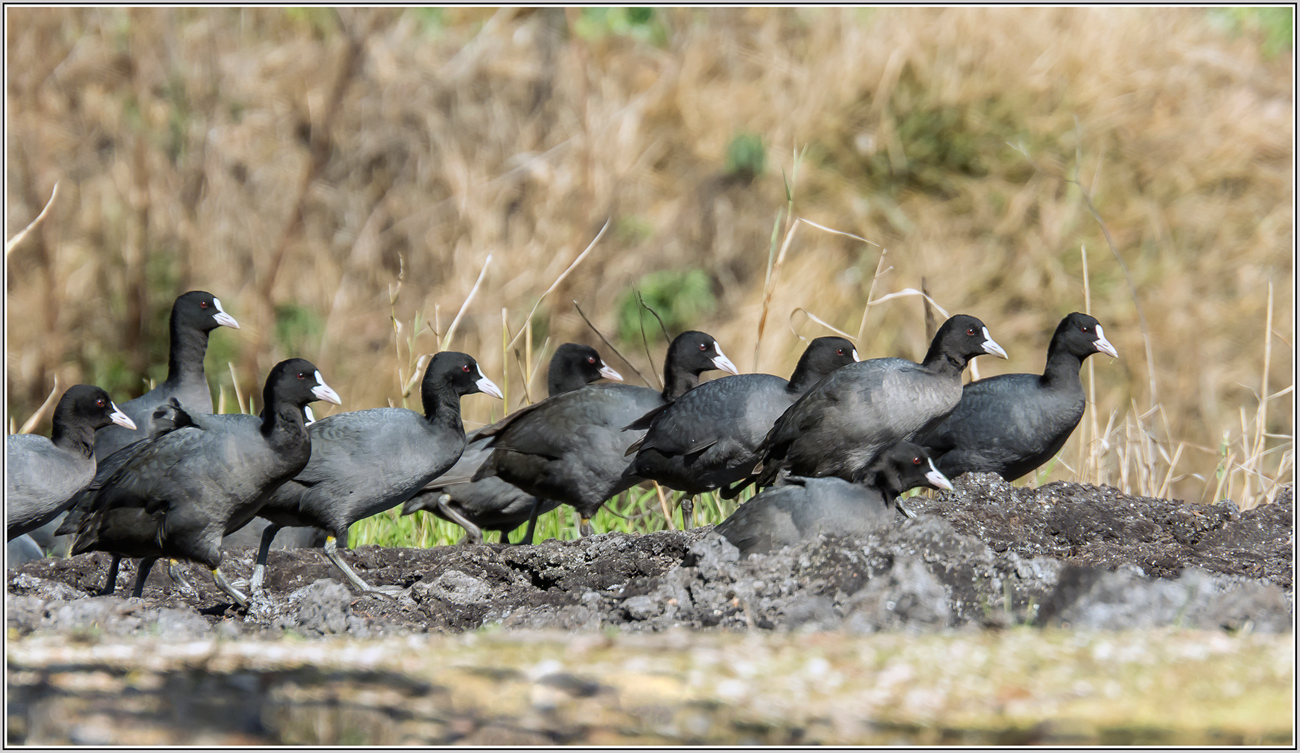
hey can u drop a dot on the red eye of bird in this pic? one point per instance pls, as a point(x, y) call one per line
point(1086, 328)
point(703, 346)
point(302, 375)
point(100, 402)
point(465, 368)
point(970, 331)
point(203, 304)
point(916, 461)
point(591, 359)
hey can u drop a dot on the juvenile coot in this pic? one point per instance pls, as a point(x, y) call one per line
point(1013, 423)
point(43, 474)
point(804, 507)
point(194, 315)
point(492, 504)
point(709, 437)
point(570, 448)
point(368, 461)
point(183, 490)
point(839, 426)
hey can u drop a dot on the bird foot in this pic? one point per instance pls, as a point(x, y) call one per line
point(388, 592)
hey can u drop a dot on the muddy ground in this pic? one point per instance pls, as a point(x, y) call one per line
point(985, 555)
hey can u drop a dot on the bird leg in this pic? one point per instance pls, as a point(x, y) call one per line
point(584, 526)
point(142, 574)
point(332, 551)
point(263, 550)
point(174, 570)
point(110, 581)
point(230, 590)
point(473, 534)
point(688, 511)
point(532, 522)
point(898, 505)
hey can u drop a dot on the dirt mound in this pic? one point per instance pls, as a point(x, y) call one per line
point(987, 554)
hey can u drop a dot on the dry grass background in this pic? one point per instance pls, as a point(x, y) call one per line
point(331, 174)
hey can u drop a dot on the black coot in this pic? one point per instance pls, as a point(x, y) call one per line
point(165, 418)
point(183, 490)
point(839, 426)
point(570, 448)
point(365, 462)
point(194, 315)
point(44, 474)
point(492, 504)
point(1013, 423)
point(804, 507)
point(709, 437)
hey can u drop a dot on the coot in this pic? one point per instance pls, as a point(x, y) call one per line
point(1013, 423)
point(709, 437)
point(43, 474)
point(365, 462)
point(194, 315)
point(166, 417)
point(571, 447)
point(839, 426)
point(180, 492)
point(804, 507)
point(492, 504)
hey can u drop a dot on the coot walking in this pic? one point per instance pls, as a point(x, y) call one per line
point(182, 491)
point(839, 426)
point(571, 447)
point(492, 504)
point(365, 462)
point(1013, 423)
point(709, 437)
point(44, 474)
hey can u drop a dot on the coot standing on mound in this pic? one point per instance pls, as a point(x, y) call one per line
point(492, 504)
point(194, 315)
point(44, 474)
point(571, 447)
point(709, 437)
point(182, 491)
point(365, 462)
point(839, 426)
point(1013, 423)
point(804, 507)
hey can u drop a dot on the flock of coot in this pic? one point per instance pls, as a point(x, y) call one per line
point(834, 446)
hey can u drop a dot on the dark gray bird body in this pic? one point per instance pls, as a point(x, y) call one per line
point(840, 425)
point(45, 473)
point(365, 462)
point(193, 316)
point(1013, 423)
point(571, 448)
point(181, 491)
point(165, 418)
point(803, 507)
point(491, 503)
point(709, 437)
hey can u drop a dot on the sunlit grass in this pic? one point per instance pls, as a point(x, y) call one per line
point(633, 511)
